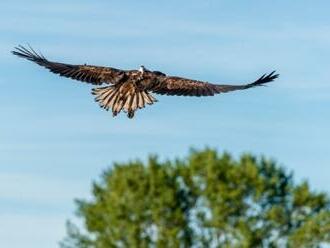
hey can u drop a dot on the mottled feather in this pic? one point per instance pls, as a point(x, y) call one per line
point(130, 89)
point(188, 87)
point(85, 73)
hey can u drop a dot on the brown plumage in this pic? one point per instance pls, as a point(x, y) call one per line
point(129, 89)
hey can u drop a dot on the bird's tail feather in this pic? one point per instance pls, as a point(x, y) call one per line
point(112, 97)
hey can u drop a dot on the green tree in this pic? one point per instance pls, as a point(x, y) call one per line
point(206, 200)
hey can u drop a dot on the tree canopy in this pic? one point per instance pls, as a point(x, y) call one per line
point(207, 199)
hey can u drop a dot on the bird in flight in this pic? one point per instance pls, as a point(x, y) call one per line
point(130, 90)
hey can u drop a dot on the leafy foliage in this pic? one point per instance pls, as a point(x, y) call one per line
point(205, 200)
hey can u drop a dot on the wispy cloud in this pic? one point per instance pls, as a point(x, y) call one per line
point(31, 231)
point(37, 189)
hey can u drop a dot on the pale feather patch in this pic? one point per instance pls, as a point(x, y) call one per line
point(135, 102)
point(141, 100)
point(118, 99)
point(127, 105)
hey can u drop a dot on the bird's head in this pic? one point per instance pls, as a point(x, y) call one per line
point(142, 68)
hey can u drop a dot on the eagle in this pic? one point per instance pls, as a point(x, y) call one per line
point(130, 90)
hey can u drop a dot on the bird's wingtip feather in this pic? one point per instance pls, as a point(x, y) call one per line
point(28, 53)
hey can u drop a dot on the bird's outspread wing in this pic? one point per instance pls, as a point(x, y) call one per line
point(187, 87)
point(85, 73)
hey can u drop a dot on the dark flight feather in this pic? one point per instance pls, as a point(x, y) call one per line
point(188, 87)
point(86, 73)
point(129, 89)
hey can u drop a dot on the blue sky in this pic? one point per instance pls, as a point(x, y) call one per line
point(54, 140)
